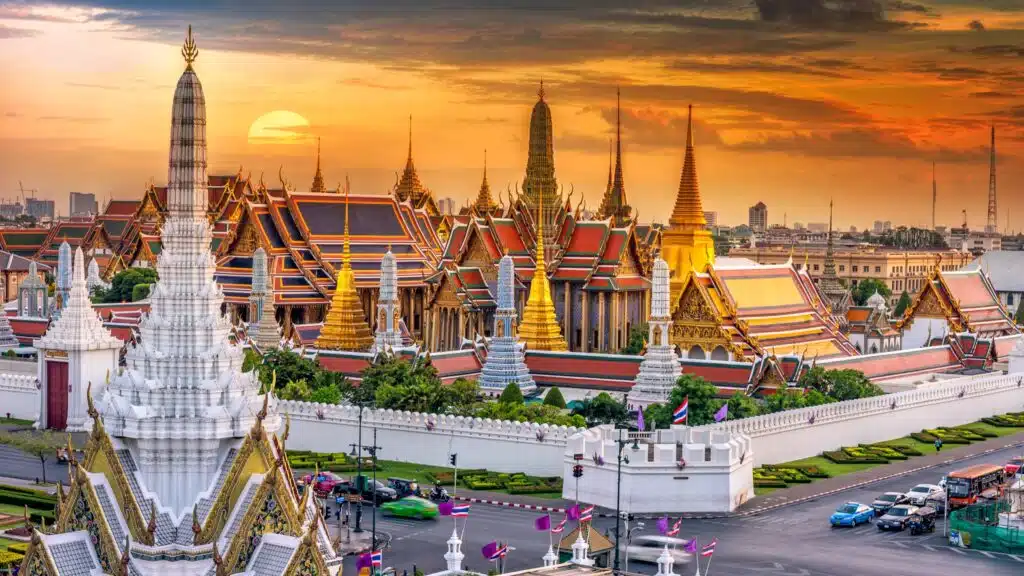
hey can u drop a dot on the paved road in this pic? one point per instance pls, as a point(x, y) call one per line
point(795, 540)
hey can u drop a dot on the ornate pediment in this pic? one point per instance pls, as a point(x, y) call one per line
point(84, 512)
point(101, 458)
point(253, 457)
point(476, 255)
point(247, 239)
point(272, 510)
point(447, 295)
point(694, 308)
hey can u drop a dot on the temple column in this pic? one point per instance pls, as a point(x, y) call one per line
point(585, 322)
point(288, 320)
point(602, 333)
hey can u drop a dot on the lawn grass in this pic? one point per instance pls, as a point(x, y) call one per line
point(18, 511)
point(999, 431)
point(763, 491)
point(829, 466)
point(15, 421)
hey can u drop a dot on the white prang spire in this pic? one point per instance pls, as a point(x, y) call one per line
point(388, 334)
point(93, 280)
point(263, 329)
point(505, 362)
point(183, 396)
point(660, 368)
point(79, 327)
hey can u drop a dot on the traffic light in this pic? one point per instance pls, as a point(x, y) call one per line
point(577, 471)
point(453, 458)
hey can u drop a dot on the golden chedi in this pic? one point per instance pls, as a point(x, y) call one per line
point(540, 329)
point(345, 327)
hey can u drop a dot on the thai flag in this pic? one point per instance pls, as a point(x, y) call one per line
point(680, 413)
point(501, 552)
point(561, 526)
point(708, 550)
point(377, 558)
point(675, 528)
point(587, 515)
point(460, 511)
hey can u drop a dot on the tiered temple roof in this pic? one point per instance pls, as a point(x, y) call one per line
point(966, 300)
point(749, 311)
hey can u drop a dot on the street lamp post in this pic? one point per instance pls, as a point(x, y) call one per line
point(357, 450)
point(373, 454)
point(618, 496)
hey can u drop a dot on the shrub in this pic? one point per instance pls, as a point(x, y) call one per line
point(554, 398)
point(21, 547)
point(887, 452)
point(42, 502)
point(769, 483)
point(906, 450)
point(842, 457)
point(923, 436)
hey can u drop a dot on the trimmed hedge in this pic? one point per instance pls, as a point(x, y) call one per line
point(842, 457)
point(39, 500)
point(769, 483)
point(906, 450)
point(1011, 420)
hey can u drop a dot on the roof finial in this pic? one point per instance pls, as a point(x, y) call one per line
point(189, 50)
point(410, 136)
point(689, 126)
point(540, 93)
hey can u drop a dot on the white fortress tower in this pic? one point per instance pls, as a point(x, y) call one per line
point(660, 368)
point(183, 398)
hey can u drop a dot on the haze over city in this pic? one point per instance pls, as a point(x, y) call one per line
point(795, 101)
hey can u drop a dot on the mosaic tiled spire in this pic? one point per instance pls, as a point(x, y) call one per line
point(484, 203)
point(388, 334)
point(263, 329)
point(318, 178)
point(33, 295)
point(345, 327)
point(614, 204)
point(540, 189)
point(660, 368)
point(540, 329)
point(505, 363)
point(183, 395)
point(63, 279)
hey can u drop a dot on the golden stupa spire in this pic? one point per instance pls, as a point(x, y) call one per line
point(687, 243)
point(345, 327)
point(318, 178)
point(540, 329)
point(189, 50)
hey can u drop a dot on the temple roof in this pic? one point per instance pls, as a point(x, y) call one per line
point(966, 299)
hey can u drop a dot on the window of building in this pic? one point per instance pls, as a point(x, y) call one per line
point(1009, 299)
point(815, 267)
point(855, 268)
point(842, 268)
point(878, 269)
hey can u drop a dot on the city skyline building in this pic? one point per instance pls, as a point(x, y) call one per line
point(757, 217)
point(82, 204)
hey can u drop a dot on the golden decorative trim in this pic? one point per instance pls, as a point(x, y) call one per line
point(270, 486)
point(81, 487)
point(130, 507)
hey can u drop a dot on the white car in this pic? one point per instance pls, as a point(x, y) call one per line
point(920, 493)
point(648, 548)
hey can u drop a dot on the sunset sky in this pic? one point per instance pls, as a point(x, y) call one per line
point(795, 101)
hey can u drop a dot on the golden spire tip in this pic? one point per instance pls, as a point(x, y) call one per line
point(189, 51)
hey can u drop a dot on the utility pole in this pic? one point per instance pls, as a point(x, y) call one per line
point(357, 450)
point(373, 454)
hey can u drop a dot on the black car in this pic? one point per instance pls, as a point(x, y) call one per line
point(888, 500)
point(381, 494)
point(896, 518)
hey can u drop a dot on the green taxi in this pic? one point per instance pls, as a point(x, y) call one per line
point(410, 507)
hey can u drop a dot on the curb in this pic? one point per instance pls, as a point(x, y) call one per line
point(873, 480)
point(753, 512)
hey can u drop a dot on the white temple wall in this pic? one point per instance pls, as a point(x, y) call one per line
point(19, 395)
point(806, 432)
point(500, 446)
point(717, 475)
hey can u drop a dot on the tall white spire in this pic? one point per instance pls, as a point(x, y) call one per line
point(63, 280)
point(93, 279)
point(388, 334)
point(183, 395)
point(505, 362)
point(660, 367)
point(264, 331)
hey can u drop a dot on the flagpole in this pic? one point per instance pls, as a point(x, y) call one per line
point(696, 553)
point(708, 567)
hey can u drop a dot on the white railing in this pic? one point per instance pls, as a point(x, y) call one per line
point(19, 383)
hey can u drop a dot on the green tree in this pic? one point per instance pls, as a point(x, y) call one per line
point(326, 395)
point(140, 292)
point(603, 409)
point(538, 413)
point(839, 385)
point(288, 366)
point(511, 394)
point(295, 390)
point(1019, 316)
point(701, 395)
point(901, 305)
point(637, 340)
point(742, 406)
point(460, 396)
point(865, 288)
point(658, 416)
point(124, 283)
point(42, 444)
point(554, 398)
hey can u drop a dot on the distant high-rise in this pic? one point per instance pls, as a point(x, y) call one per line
point(39, 209)
point(935, 195)
point(991, 224)
point(82, 204)
point(758, 217)
point(712, 218)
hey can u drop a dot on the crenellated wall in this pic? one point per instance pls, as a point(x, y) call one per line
point(498, 445)
point(681, 469)
point(805, 432)
point(19, 394)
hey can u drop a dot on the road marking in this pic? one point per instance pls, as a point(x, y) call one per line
point(983, 553)
point(1015, 557)
point(900, 544)
point(932, 548)
point(955, 549)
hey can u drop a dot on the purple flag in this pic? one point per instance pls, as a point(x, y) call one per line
point(663, 524)
point(543, 523)
point(445, 508)
point(364, 561)
point(490, 550)
point(691, 546)
point(722, 413)
point(640, 420)
point(573, 512)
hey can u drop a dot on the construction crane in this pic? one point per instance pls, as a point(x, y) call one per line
point(32, 190)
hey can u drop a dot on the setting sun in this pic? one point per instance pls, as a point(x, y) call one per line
point(278, 127)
